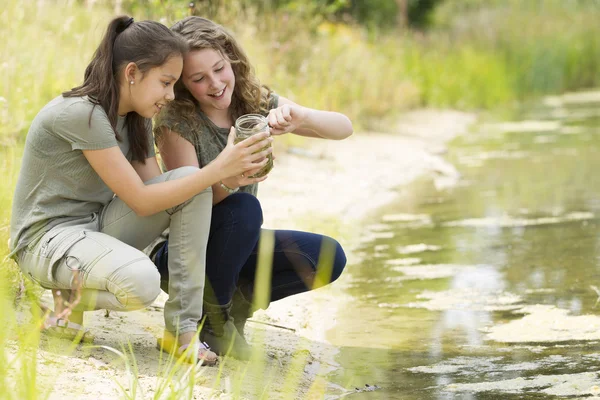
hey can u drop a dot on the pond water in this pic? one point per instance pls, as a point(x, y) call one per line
point(490, 289)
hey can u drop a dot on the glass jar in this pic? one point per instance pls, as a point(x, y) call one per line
point(251, 124)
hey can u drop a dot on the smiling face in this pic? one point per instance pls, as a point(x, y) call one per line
point(154, 89)
point(210, 79)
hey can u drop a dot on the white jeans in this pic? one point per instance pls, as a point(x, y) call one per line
point(116, 274)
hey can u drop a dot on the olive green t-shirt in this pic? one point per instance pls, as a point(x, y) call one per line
point(208, 139)
point(56, 182)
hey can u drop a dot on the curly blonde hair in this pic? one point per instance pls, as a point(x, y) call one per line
point(249, 96)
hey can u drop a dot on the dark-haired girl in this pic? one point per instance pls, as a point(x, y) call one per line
point(90, 194)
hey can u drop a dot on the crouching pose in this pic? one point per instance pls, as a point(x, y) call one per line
point(90, 194)
point(216, 88)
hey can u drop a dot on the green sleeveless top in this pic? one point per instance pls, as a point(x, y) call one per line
point(208, 139)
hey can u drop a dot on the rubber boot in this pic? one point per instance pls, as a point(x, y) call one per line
point(241, 310)
point(220, 333)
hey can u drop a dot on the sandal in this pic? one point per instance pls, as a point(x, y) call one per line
point(200, 354)
point(64, 329)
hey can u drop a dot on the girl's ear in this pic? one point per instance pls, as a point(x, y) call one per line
point(130, 72)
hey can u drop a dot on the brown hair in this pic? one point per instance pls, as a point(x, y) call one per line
point(249, 96)
point(148, 44)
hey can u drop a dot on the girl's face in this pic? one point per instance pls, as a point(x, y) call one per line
point(210, 79)
point(151, 91)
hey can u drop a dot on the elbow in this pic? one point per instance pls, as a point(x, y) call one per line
point(140, 205)
point(142, 210)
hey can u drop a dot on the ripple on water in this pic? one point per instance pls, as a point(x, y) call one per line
point(432, 271)
point(583, 97)
point(409, 220)
point(544, 323)
point(467, 298)
point(508, 221)
point(373, 236)
point(557, 385)
point(465, 366)
point(417, 248)
point(460, 365)
point(523, 127)
point(403, 261)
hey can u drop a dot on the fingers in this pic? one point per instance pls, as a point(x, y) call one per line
point(253, 171)
point(254, 139)
point(261, 156)
point(286, 115)
point(262, 178)
point(258, 146)
point(279, 118)
point(231, 136)
point(248, 180)
point(276, 132)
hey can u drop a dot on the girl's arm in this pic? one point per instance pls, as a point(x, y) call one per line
point(304, 121)
point(148, 170)
point(176, 152)
point(121, 176)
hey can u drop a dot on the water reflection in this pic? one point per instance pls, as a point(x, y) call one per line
point(443, 272)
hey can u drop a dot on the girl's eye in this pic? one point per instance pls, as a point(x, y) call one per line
point(219, 69)
point(198, 80)
point(167, 84)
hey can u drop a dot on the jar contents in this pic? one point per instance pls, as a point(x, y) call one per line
point(251, 124)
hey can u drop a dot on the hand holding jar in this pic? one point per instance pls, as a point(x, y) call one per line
point(247, 126)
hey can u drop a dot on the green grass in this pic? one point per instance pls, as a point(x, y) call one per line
point(10, 159)
point(478, 55)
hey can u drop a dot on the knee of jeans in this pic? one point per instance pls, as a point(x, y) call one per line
point(142, 285)
point(247, 211)
point(182, 171)
point(339, 261)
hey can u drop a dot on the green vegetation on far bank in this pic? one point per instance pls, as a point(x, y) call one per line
point(474, 55)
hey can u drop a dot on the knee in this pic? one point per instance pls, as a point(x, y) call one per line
point(182, 171)
point(139, 284)
point(247, 212)
point(339, 261)
point(185, 171)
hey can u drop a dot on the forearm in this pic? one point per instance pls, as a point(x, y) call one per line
point(154, 198)
point(326, 124)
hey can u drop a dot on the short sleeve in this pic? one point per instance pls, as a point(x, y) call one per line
point(273, 100)
point(174, 118)
point(85, 127)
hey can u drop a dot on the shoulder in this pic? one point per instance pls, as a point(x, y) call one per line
point(78, 121)
point(77, 110)
point(170, 114)
point(81, 107)
point(181, 118)
point(268, 99)
point(273, 100)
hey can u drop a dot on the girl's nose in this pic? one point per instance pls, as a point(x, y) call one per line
point(212, 82)
point(170, 93)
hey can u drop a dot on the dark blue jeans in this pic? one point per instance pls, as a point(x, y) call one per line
point(232, 254)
